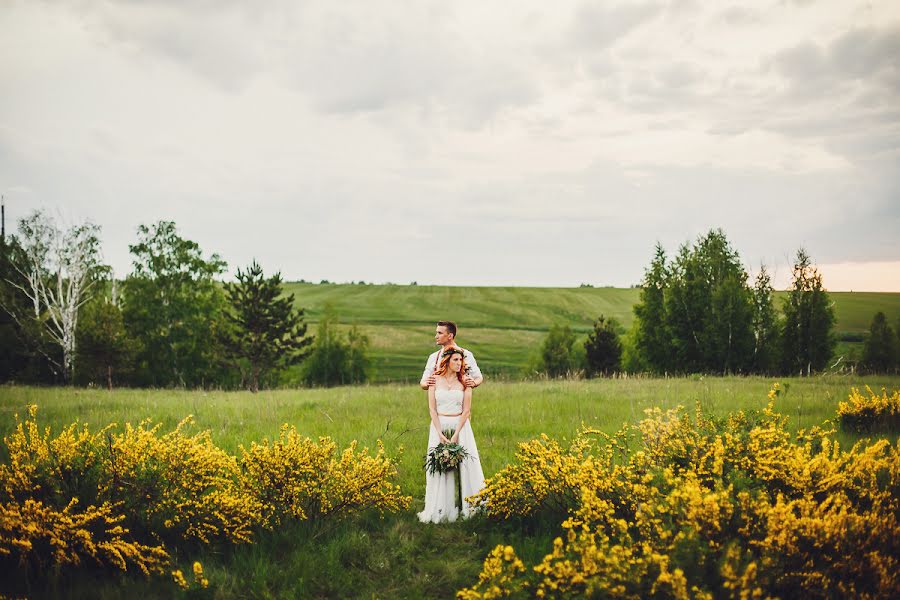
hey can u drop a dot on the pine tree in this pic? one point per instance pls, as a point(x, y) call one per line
point(807, 341)
point(266, 330)
point(603, 349)
point(880, 353)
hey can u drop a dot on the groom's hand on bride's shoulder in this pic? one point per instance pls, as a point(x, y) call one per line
point(469, 381)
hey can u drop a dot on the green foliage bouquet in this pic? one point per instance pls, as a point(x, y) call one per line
point(445, 457)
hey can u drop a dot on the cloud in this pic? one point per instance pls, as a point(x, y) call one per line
point(214, 41)
point(598, 26)
point(740, 15)
point(862, 53)
point(349, 140)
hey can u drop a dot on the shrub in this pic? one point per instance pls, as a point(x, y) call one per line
point(34, 535)
point(869, 413)
point(705, 507)
point(178, 485)
point(296, 477)
point(144, 492)
point(557, 355)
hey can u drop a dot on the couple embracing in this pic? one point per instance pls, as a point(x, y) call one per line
point(450, 375)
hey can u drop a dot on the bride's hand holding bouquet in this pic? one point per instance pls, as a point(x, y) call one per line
point(446, 456)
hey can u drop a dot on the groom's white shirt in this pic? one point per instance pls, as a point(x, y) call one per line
point(431, 365)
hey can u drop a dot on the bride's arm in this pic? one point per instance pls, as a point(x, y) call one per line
point(435, 419)
point(466, 411)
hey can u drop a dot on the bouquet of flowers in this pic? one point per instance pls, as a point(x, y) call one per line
point(445, 457)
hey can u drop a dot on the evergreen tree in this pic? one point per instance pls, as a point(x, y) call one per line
point(173, 306)
point(880, 353)
point(267, 333)
point(807, 341)
point(603, 350)
point(765, 324)
point(652, 343)
point(556, 352)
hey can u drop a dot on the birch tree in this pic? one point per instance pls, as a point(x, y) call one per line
point(807, 339)
point(58, 272)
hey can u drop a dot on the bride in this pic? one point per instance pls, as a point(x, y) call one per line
point(450, 403)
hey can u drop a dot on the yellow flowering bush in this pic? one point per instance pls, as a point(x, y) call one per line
point(546, 477)
point(142, 490)
point(870, 412)
point(35, 535)
point(502, 571)
point(703, 507)
point(55, 469)
point(178, 485)
point(296, 477)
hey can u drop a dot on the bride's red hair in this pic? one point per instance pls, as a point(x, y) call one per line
point(444, 366)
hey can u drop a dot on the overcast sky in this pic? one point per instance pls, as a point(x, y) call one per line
point(506, 143)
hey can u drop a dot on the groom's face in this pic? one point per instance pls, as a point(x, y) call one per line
point(441, 336)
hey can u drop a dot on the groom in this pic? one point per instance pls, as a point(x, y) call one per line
point(445, 336)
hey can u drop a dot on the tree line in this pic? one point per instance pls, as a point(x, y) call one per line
point(66, 319)
point(698, 312)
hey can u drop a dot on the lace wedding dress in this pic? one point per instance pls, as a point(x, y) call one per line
point(440, 489)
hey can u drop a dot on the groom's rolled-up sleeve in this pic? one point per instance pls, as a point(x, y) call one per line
point(429, 368)
point(474, 371)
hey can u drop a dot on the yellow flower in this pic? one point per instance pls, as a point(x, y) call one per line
point(178, 578)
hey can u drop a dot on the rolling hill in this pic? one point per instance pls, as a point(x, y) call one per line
point(504, 325)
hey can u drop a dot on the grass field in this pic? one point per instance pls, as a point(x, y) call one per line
point(395, 557)
point(504, 325)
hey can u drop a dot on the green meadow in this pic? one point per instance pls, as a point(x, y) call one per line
point(504, 326)
point(395, 556)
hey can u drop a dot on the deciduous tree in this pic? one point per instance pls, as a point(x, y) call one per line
point(105, 350)
point(652, 341)
point(765, 324)
point(327, 363)
point(358, 362)
point(58, 270)
point(807, 338)
point(173, 305)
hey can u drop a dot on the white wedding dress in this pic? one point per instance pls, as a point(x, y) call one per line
point(440, 489)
